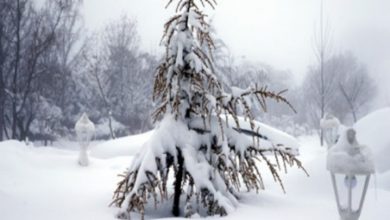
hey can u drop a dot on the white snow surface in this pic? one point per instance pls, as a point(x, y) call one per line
point(125, 146)
point(373, 130)
point(46, 183)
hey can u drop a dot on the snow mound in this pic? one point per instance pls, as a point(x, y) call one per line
point(373, 131)
point(125, 146)
point(47, 183)
point(14, 143)
point(348, 157)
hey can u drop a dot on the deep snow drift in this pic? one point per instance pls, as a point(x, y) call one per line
point(46, 183)
point(374, 131)
point(125, 146)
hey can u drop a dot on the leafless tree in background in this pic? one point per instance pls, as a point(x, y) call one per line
point(243, 73)
point(29, 39)
point(322, 50)
point(96, 68)
point(27, 33)
point(356, 86)
point(65, 58)
point(349, 88)
point(128, 72)
point(45, 82)
point(4, 50)
point(120, 73)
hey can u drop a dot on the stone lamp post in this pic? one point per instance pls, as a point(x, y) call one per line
point(330, 125)
point(85, 130)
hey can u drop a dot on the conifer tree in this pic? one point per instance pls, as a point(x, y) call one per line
point(200, 144)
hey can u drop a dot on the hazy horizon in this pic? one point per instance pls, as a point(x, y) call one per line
point(278, 32)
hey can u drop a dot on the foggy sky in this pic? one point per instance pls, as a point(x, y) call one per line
point(277, 32)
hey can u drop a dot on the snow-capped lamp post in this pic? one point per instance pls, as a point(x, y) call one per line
point(330, 125)
point(85, 129)
point(351, 160)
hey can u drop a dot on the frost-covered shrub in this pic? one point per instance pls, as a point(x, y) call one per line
point(200, 143)
point(103, 129)
point(46, 124)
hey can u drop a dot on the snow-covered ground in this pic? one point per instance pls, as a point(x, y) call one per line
point(46, 183)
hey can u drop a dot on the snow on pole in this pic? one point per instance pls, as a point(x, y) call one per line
point(349, 157)
point(85, 129)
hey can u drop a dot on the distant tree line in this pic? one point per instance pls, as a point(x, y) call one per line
point(52, 70)
point(339, 85)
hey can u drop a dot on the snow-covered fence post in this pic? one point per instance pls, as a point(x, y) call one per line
point(349, 159)
point(330, 125)
point(85, 130)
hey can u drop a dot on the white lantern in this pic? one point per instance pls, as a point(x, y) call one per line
point(85, 129)
point(350, 160)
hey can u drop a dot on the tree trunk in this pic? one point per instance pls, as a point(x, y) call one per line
point(16, 68)
point(178, 183)
point(2, 103)
point(110, 125)
point(2, 86)
point(349, 101)
point(354, 116)
point(322, 57)
point(103, 95)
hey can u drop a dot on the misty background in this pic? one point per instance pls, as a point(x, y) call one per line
point(277, 32)
point(61, 58)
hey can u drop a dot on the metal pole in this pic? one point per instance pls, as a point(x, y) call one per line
point(336, 192)
point(364, 193)
point(349, 184)
point(348, 213)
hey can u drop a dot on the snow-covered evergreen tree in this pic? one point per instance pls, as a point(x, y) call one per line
point(200, 144)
